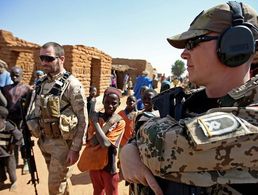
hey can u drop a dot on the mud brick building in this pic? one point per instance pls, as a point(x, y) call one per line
point(90, 65)
point(17, 51)
point(133, 67)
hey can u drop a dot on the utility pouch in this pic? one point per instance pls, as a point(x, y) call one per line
point(67, 124)
point(50, 106)
point(50, 129)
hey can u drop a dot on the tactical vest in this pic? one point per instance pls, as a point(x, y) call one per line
point(58, 87)
point(51, 106)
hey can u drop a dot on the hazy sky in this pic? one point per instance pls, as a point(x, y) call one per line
point(135, 29)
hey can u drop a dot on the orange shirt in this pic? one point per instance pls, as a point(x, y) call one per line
point(97, 157)
point(129, 127)
point(114, 134)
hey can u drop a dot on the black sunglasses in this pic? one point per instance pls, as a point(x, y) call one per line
point(48, 58)
point(192, 43)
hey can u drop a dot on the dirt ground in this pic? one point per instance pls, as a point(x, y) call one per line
point(80, 183)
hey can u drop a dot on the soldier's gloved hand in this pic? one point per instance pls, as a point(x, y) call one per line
point(72, 157)
point(135, 171)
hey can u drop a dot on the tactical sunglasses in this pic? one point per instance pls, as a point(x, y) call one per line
point(47, 58)
point(192, 43)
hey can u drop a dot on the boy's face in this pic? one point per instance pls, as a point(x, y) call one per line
point(111, 103)
point(131, 102)
point(93, 92)
point(16, 75)
point(147, 101)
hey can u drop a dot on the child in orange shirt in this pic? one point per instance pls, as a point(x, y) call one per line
point(103, 138)
point(128, 114)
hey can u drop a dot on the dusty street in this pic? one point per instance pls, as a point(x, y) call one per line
point(80, 182)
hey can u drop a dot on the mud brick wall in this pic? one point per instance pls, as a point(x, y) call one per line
point(15, 51)
point(25, 60)
point(137, 65)
point(90, 65)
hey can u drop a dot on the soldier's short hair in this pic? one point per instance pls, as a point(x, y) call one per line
point(59, 50)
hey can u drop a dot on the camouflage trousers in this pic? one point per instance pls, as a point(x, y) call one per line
point(55, 152)
point(139, 189)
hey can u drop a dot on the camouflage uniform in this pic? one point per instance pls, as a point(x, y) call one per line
point(54, 146)
point(212, 149)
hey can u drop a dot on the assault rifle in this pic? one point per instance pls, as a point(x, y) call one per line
point(29, 143)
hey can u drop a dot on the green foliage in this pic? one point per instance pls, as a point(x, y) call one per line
point(178, 68)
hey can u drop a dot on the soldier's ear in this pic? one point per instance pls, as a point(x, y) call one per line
point(62, 58)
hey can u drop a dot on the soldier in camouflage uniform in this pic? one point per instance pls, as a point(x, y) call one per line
point(61, 113)
point(209, 145)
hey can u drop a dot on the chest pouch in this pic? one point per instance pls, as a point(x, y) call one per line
point(50, 106)
point(67, 124)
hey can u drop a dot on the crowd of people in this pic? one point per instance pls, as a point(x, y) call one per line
point(204, 143)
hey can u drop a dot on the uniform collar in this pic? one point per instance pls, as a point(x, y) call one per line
point(55, 77)
point(235, 95)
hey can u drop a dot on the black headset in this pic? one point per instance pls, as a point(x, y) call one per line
point(236, 44)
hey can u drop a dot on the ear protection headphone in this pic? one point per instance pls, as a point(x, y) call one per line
point(236, 44)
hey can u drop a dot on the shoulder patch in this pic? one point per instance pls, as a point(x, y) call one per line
point(218, 124)
point(210, 130)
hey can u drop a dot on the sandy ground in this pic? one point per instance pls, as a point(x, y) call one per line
point(80, 183)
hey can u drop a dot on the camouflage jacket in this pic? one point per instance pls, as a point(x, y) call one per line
point(216, 147)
